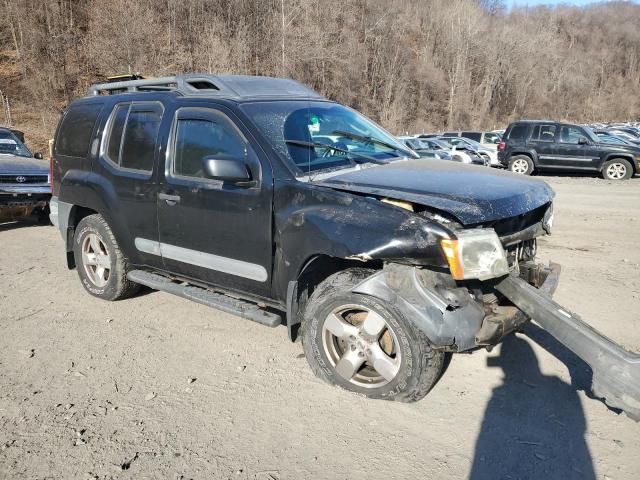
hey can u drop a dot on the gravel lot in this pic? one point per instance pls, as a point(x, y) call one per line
point(158, 387)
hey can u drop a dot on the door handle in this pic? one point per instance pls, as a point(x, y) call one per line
point(170, 199)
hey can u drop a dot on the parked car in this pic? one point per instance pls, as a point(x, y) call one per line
point(488, 140)
point(605, 137)
point(24, 180)
point(543, 145)
point(465, 152)
point(224, 191)
point(489, 156)
point(424, 150)
point(625, 134)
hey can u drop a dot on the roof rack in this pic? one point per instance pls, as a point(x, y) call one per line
point(228, 86)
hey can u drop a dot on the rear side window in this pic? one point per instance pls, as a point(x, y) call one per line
point(115, 135)
point(76, 129)
point(140, 135)
point(477, 136)
point(518, 132)
point(544, 133)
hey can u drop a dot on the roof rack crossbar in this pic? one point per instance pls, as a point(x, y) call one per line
point(132, 85)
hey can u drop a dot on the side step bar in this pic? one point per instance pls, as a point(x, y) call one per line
point(616, 371)
point(219, 301)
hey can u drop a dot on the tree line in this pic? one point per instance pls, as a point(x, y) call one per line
point(412, 65)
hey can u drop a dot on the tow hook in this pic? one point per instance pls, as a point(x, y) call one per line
point(616, 371)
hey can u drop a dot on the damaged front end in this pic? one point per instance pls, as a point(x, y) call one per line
point(456, 317)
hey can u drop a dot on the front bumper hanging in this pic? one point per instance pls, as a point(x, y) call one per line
point(616, 371)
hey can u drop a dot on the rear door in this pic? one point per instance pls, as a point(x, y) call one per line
point(213, 231)
point(544, 140)
point(128, 156)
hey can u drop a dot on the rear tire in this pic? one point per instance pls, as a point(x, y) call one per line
point(521, 164)
point(371, 349)
point(617, 169)
point(101, 266)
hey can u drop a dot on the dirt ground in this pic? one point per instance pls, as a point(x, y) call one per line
point(158, 387)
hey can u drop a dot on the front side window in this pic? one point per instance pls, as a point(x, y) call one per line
point(76, 129)
point(313, 135)
point(202, 134)
point(571, 135)
point(140, 135)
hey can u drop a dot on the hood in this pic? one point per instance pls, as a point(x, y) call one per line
point(13, 164)
point(472, 194)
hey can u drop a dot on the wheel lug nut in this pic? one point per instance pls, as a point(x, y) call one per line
point(353, 348)
point(361, 354)
point(352, 337)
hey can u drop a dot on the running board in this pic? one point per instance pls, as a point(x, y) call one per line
point(219, 301)
point(616, 371)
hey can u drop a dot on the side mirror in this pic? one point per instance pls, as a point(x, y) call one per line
point(583, 141)
point(38, 156)
point(226, 169)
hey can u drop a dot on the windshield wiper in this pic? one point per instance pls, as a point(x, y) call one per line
point(368, 159)
point(366, 138)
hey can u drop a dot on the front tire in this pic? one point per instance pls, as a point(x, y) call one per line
point(364, 345)
point(617, 169)
point(101, 266)
point(521, 164)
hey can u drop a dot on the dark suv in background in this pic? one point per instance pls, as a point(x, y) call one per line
point(543, 145)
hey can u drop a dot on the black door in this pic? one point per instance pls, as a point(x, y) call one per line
point(128, 160)
point(218, 232)
point(572, 149)
point(543, 139)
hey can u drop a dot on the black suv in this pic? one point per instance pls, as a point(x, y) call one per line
point(261, 198)
point(531, 145)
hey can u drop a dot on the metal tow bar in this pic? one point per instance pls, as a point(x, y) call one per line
point(616, 371)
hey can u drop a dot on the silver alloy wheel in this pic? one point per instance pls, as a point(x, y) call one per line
point(617, 171)
point(361, 346)
point(520, 166)
point(96, 260)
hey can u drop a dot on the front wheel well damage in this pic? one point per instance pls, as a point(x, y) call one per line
point(315, 270)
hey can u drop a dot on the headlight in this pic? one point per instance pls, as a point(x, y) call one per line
point(476, 254)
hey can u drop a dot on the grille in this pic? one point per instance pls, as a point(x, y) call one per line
point(23, 179)
point(513, 225)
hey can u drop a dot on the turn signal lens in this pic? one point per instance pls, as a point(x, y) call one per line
point(450, 249)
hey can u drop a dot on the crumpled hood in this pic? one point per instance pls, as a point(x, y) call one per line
point(13, 164)
point(472, 194)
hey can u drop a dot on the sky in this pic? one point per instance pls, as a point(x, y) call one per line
point(531, 3)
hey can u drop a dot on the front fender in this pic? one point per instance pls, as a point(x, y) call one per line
point(312, 221)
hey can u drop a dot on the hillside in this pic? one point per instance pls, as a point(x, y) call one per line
point(412, 65)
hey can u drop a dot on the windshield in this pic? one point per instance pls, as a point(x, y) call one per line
point(10, 144)
point(304, 132)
